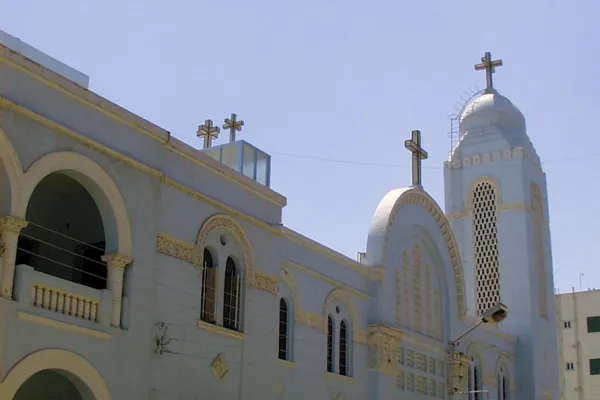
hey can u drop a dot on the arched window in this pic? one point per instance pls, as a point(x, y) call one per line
point(209, 285)
point(474, 381)
point(503, 388)
point(329, 344)
point(231, 296)
point(283, 329)
point(343, 349)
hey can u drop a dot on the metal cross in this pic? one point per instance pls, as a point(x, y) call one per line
point(418, 153)
point(208, 132)
point(489, 66)
point(233, 125)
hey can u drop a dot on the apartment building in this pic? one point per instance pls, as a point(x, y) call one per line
point(578, 317)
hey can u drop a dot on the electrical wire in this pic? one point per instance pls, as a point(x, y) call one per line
point(74, 285)
point(386, 165)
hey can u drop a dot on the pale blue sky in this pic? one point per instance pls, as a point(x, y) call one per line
point(348, 80)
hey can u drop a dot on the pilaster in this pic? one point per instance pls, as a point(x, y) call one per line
point(10, 228)
point(116, 264)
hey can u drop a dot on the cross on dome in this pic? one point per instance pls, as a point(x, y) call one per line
point(490, 67)
point(418, 153)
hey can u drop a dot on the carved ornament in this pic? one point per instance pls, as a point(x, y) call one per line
point(422, 199)
point(219, 367)
point(9, 223)
point(176, 248)
point(116, 260)
point(264, 282)
point(384, 345)
point(497, 155)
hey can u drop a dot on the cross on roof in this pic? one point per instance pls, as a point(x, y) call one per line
point(233, 125)
point(418, 153)
point(489, 66)
point(208, 132)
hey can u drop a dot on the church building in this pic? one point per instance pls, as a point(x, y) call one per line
point(135, 266)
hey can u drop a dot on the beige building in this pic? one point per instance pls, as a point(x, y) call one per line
point(578, 317)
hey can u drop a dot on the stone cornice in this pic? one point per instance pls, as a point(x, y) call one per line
point(494, 156)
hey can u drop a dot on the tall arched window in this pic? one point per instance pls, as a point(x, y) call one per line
point(474, 381)
point(231, 296)
point(283, 329)
point(209, 286)
point(329, 344)
point(343, 349)
point(503, 388)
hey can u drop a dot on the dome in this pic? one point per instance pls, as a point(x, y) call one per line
point(491, 108)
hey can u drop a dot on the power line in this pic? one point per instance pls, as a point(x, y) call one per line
point(388, 165)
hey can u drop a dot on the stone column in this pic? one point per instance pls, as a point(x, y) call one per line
point(116, 264)
point(10, 227)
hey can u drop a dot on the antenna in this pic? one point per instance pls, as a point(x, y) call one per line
point(454, 118)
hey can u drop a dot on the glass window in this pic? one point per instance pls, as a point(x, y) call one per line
point(249, 161)
point(593, 324)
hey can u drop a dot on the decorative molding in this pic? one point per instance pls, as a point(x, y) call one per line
point(116, 260)
point(384, 343)
point(220, 330)
point(419, 197)
point(287, 363)
point(135, 164)
point(219, 367)
point(176, 248)
point(264, 282)
point(63, 326)
point(377, 274)
point(337, 377)
point(329, 253)
point(136, 123)
point(498, 155)
point(308, 318)
point(12, 224)
point(324, 278)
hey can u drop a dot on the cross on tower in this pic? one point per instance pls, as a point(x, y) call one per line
point(208, 132)
point(489, 66)
point(418, 153)
point(233, 125)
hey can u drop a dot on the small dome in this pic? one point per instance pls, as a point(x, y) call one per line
point(491, 108)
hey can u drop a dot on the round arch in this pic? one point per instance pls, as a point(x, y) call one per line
point(287, 277)
point(344, 297)
point(421, 198)
point(12, 166)
point(96, 181)
point(485, 179)
point(221, 221)
point(54, 359)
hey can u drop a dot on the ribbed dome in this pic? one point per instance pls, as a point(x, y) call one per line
point(491, 108)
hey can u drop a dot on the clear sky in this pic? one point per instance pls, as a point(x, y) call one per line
point(332, 88)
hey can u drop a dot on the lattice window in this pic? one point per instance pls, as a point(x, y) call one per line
point(538, 211)
point(432, 384)
point(400, 380)
point(420, 362)
point(485, 237)
point(417, 301)
point(421, 385)
point(410, 378)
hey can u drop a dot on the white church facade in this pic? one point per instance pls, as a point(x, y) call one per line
point(133, 266)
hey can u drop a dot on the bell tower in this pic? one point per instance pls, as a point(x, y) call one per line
point(497, 203)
